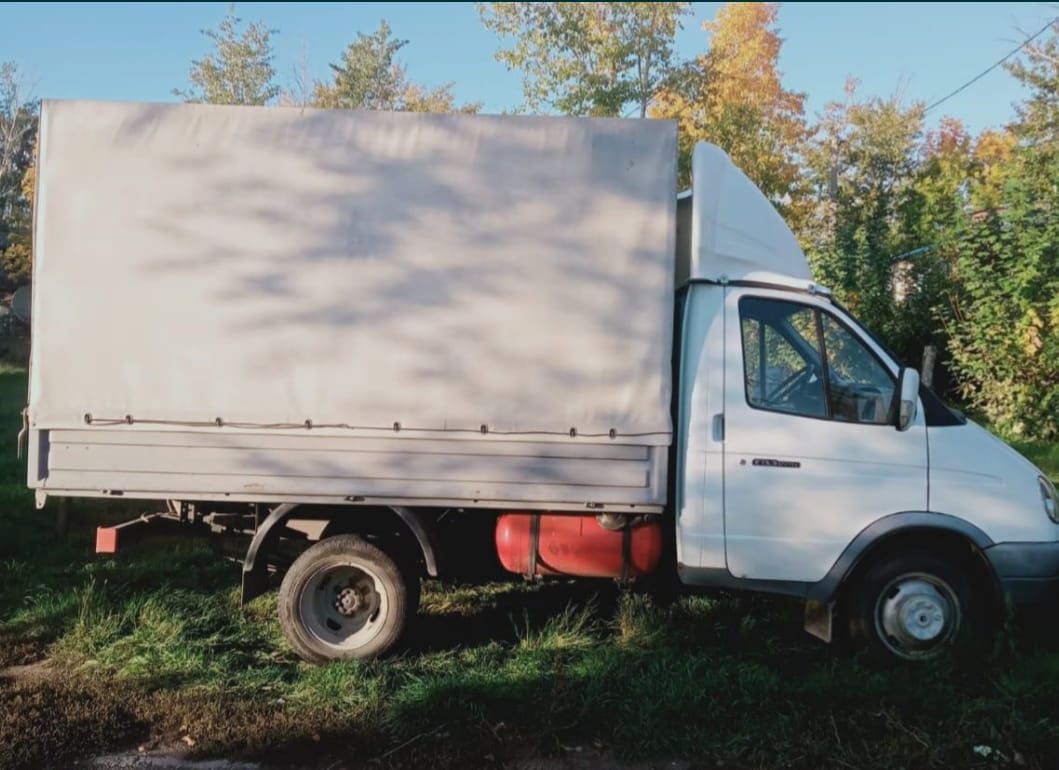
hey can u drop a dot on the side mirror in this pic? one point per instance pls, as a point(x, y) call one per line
point(907, 398)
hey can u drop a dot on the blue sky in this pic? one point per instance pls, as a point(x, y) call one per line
point(142, 51)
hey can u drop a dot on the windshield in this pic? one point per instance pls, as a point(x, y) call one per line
point(937, 412)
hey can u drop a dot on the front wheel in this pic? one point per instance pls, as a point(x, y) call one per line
point(344, 598)
point(911, 606)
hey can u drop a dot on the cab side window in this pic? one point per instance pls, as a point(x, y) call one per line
point(781, 357)
point(800, 360)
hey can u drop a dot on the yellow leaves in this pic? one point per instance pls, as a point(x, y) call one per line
point(17, 261)
point(29, 180)
point(992, 155)
point(994, 147)
point(733, 96)
point(325, 95)
point(744, 52)
point(1031, 333)
point(418, 98)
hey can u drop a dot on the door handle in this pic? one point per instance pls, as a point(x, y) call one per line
point(718, 427)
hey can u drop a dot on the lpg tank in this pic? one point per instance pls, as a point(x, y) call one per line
point(576, 545)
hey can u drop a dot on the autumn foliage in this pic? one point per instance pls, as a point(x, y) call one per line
point(732, 95)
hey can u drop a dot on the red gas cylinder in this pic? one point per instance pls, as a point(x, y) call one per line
point(576, 545)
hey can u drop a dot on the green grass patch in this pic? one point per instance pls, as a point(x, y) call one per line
point(153, 643)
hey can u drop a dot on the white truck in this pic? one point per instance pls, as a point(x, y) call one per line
point(387, 346)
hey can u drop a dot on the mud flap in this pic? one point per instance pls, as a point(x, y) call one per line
point(818, 618)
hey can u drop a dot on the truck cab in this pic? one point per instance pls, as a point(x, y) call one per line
point(810, 463)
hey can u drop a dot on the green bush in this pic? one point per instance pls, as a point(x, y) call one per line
point(1003, 315)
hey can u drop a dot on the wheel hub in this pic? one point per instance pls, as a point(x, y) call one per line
point(923, 618)
point(347, 601)
point(341, 605)
point(917, 615)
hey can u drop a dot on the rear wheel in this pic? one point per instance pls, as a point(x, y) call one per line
point(345, 598)
point(912, 606)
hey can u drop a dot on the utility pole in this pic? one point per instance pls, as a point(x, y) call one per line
point(926, 377)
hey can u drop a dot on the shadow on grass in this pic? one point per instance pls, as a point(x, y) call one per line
point(155, 643)
point(455, 616)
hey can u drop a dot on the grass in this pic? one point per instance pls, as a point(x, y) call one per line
point(153, 646)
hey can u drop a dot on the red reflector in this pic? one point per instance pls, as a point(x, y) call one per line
point(106, 539)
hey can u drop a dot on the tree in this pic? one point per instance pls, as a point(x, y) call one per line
point(587, 58)
point(17, 258)
point(419, 98)
point(371, 76)
point(992, 167)
point(1003, 314)
point(933, 206)
point(940, 190)
point(1038, 70)
point(239, 68)
point(1003, 309)
point(300, 91)
point(733, 96)
point(18, 128)
point(862, 166)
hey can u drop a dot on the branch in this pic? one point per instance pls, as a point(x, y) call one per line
point(1037, 52)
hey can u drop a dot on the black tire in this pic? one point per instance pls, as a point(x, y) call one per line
point(344, 598)
point(911, 606)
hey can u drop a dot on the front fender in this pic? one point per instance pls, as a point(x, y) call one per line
point(825, 590)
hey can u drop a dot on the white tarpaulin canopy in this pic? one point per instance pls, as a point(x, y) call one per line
point(277, 265)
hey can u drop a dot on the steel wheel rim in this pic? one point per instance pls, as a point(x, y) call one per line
point(917, 615)
point(343, 605)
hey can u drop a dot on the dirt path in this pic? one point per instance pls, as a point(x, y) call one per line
point(41, 684)
point(30, 673)
point(135, 760)
point(574, 760)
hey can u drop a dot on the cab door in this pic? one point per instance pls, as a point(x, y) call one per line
point(811, 453)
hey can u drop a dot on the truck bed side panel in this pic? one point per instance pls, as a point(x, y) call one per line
point(569, 475)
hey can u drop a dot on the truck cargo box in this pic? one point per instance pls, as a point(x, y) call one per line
point(270, 304)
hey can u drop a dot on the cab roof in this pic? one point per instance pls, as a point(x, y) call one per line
point(727, 230)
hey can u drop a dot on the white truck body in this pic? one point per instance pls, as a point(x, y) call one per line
point(291, 304)
point(408, 313)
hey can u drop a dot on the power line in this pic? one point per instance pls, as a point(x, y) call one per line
point(985, 72)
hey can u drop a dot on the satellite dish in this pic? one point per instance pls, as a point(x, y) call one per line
point(22, 303)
